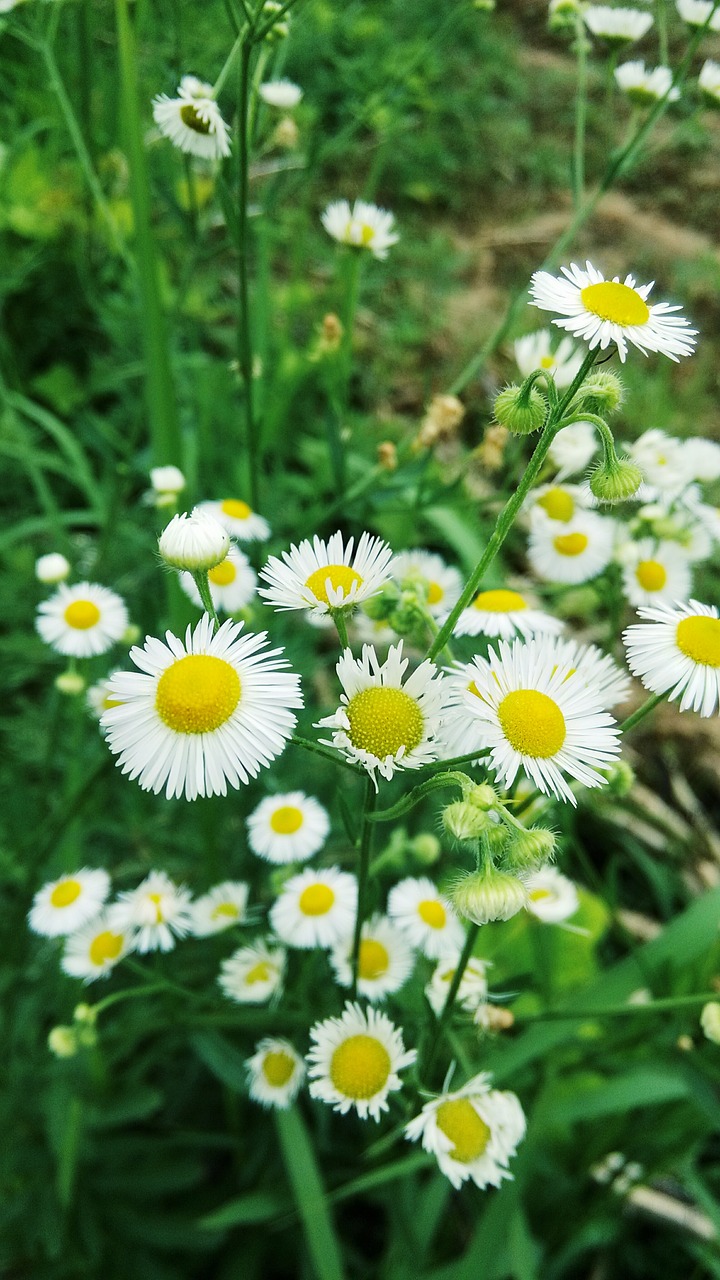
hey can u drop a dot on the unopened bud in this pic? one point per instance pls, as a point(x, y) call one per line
point(464, 822)
point(482, 796)
point(620, 778)
point(380, 606)
point(710, 1021)
point(387, 455)
point(615, 482)
point(601, 393)
point(52, 568)
point(426, 848)
point(195, 542)
point(62, 1042)
point(131, 634)
point(530, 848)
point(489, 895)
point(563, 14)
point(70, 683)
point(522, 412)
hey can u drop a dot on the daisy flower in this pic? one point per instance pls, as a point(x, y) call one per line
point(238, 519)
point(656, 571)
point(193, 121)
point(663, 460)
point(534, 352)
point(315, 908)
point(252, 974)
point(193, 540)
point(156, 913)
point(385, 960)
point(94, 950)
point(573, 448)
point(355, 1059)
point(425, 917)
point(580, 552)
point(602, 311)
point(697, 12)
point(616, 24)
point(473, 989)
point(167, 484)
point(383, 724)
point(233, 583)
point(64, 905)
point(82, 621)
point(52, 568)
point(709, 80)
point(500, 612)
point(473, 1132)
point(288, 828)
point(677, 651)
point(322, 575)
point(558, 503)
point(211, 711)
point(442, 583)
point(220, 908)
point(98, 696)
point(282, 94)
point(536, 720)
point(704, 458)
point(461, 731)
point(593, 669)
point(275, 1073)
point(362, 227)
point(644, 87)
point(551, 896)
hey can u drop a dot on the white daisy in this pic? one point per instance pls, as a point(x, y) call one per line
point(594, 670)
point(222, 907)
point(52, 568)
point(656, 571)
point(385, 959)
point(275, 1073)
point(461, 732)
point(534, 352)
point(99, 697)
point(537, 720)
point(573, 448)
point(156, 913)
point(326, 575)
point(558, 503)
point(211, 711)
point(500, 612)
point(697, 12)
point(709, 80)
point(551, 896)
point(238, 519)
point(282, 94)
point(355, 1060)
point(576, 554)
point(233, 583)
point(193, 121)
point(602, 311)
point(442, 583)
point(362, 227)
point(194, 540)
point(704, 458)
point(93, 951)
point(677, 651)
point(662, 459)
point(425, 916)
point(288, 828)
point(82, 621)
point(473, 989)
point(473, 1132)
point(64, 905)
point(383, 724)
point(643, 87)
point(617, 24)
point(252, 974)
point(315, 908)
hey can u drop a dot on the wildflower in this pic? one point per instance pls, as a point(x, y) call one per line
point(288, 828)
point(602, 311)
point(71, 683)
point(52, 568)
point(82, 621)
point(709, 81)
point(501, 612)
point(232, 582)
point(282, 94)
point(534, 352)
point(64, 905)
point(487, 895)
point(322, 575)
point(238, 519)
point(194, 542)
point(440, 583)
point(520, 411)
point(557, 502)
point(192, 121)
point(573, 448)
point(697, 12)
point(473, 1132)
point(425, 916)
point(385, 959)
point(577, 554)
point(157, 913)
point(93, 951)
point(644, 87)
point(355, 1060)
point(617, 24)
point(167, 484)
point(275, 1073)
point(655, 572)
point(383, 724)
point(315, 908)
point(471, 993)
point(704, 458)
point(200, 715)
point(222, 907)
point(592, 669)
point(362, 227)
point(677, 652)
point(663, 460)
point(98, 696)
point(551, 896)
point(252, 974)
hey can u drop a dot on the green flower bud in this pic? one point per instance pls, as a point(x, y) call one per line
point(620, 778)
point(70, 683)
point(85, 1013)
point(488, 895)
point(62, 1042)
point(426, 848)
point(464, 822)
point(482, 797)
point(521, 412)
point(616, 481)
point(380, 606)
point(601, 392)
point(530, 848)
point(710, 1021)
point(496, 835)
point(409, 614)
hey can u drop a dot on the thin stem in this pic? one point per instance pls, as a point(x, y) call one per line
point(230, 62)
point(662, 29)
point(341, 625)
point(244, 335)
point(201, 582)
point(649, 705)
point(366, 835)
point(462, 964)
point(327, 752)
point(581, 49)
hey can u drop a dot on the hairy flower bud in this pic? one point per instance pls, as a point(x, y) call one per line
point(482, 796)
point(195, 542)
point(620, 778)
point(63, 1042)
point(70, 683)
point(530, 848)
point(615, 481)
point(710, 1021)
point(522, 412)
point(426, 847)
point(488, 895)
point(602, 392)
point(464, 822)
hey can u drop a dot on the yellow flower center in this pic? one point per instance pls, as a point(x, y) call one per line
point(260, 972)
point(359, 1067)
point(82, 614)
point(558, 504)
point(286, 820)
point(384, 720)
point(65, 893)
point(373, 960)
point(435, 593)
point(537, 895)
point(105, 946)
point(223, 574)
point(433, 913)
point(699, 638)
point(191, 119)
point(156, 899)
point(339, 575)
point(651, 575)
point(547, 362)
point(460, 1122)
point(277, 1068)
point(533, 723)
point(236, 509)
point(197, 694)
point(316, 900)
point(571, 544)
point(225, 911)
point(615, 302)
point(499, 602)
point(367, 234)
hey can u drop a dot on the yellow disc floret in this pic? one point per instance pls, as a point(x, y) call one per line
point(571, 544)
point(460, 1122)
point(192, 120)
point(651, 575)
point(236, 509)
point(286, 820)
point(277, 1068)
point(82, 615)
point(435, 593)
point(197, 694)
point(433, 913)
point(105, 946)
point(225, 911)
point(499, 601)
point(65, 893)
point(223, 574)
point(383, 720)
point(261, 972)
point(615, 302)
point(558, 504)
point(373, 960)
point(699, 639)
point(316, 900)
point(359, 1067)
point(533, 723)
point(338, 575)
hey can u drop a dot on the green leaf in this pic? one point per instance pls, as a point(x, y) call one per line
point(257, 1206)
point(221, 1058)
point(305, 1180)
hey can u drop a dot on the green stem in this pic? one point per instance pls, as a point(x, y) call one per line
point(230, 62)
point(201, 582)
point(366, 835)
point(662, 29)
point(341, 625)
point(244, 335)
point(130, 993)
point(649, 705)
point(328, 753)
point(413, 797)
point(462, 964)
point(581, 49)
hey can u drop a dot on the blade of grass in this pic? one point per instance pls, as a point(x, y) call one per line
point(306, 1183)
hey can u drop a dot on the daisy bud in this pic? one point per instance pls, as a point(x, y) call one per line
point(52, 568)
point(279, 29)
point(710, 1021)
point(426, 847)
point(62, 1042)
point(615, 481)
point(489, 895)
point(601, 393)
point(522, 412)
point(562, 14)
point(85, 1013)
point(70, 683)
point(195, 542)
point(482, 797)
point(131, 635)
point(464, 822)
point(530, 848)
point(620, 778)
